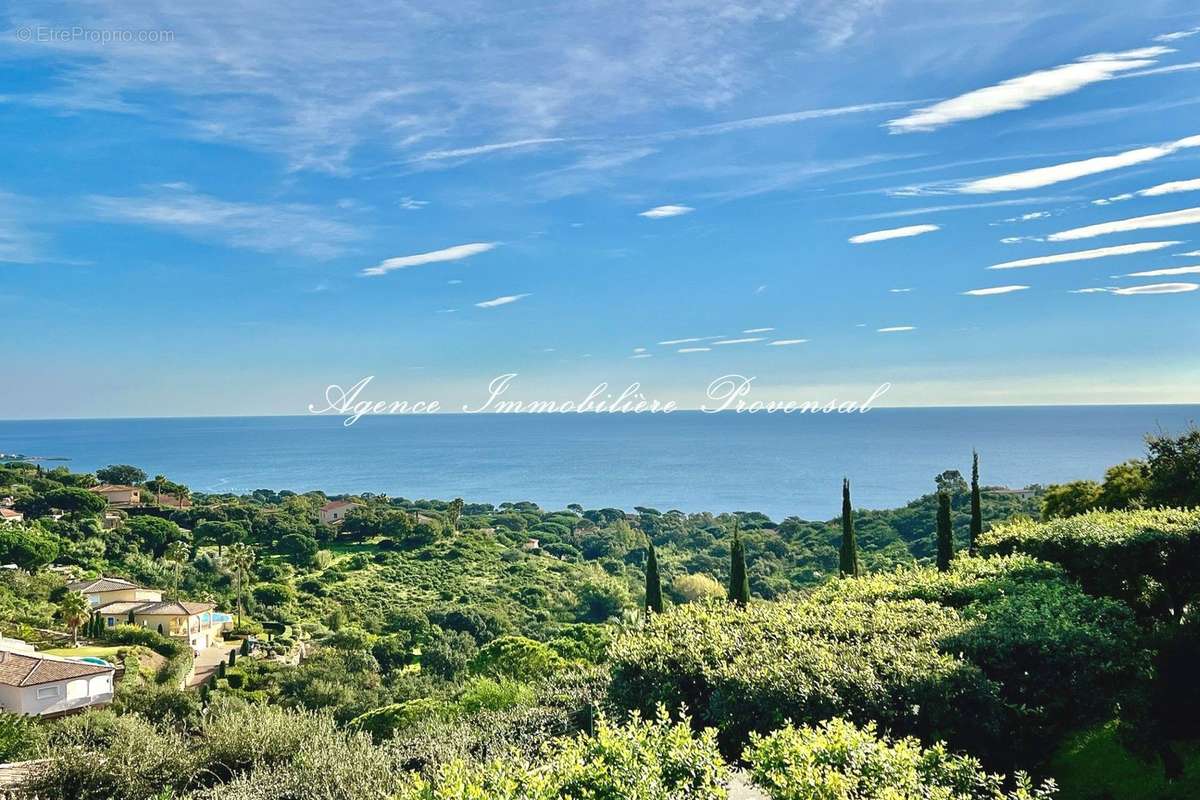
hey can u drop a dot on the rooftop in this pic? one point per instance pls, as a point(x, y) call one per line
point(156, 607)
point(31, 669)
point(334, 505)
point(101, 585)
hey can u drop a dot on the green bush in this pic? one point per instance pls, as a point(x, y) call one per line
point(19, 737)
point(489, 694)
point(644, 760)
point(137, 635)
point(1149, 559)
point(752, 669)
point(385, 722)
point(999, 656)
point(837, 760)
point(517, 657)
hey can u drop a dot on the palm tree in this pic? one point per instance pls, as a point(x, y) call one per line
point(177, 553)
point(75, 610)
point(241, 558)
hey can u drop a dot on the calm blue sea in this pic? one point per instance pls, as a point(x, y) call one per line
point(779, 465)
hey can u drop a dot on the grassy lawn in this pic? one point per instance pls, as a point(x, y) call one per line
point(1094, 765)
point(79, 652)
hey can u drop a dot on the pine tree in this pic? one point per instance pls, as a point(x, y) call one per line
point(945, 533)
point(739, 584)
point(654, 598)
point(848, 558)
point(976, 510)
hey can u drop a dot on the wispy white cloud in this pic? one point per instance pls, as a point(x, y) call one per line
point(1170, 187)
point(896, 329)
point(694, 349)
point(1032, 215)
point(1085, 255)
point(1176, 35)
point(659, 212)
point(1024, 91)
point(266, 227)
point(455, 253)
point(1142, 73)
point(642, 355)
point(914, 212)
point(689, 340)
point(501, 301)
point(743, 340)
point(1158, 288)
point(485, 149)
point(1093, 290)
point(995, 290)
point(1189, 254)
point(786, 342)
point(901, 291)
point(1160, 273)
point(758, 330)
point(412, 204)
point(892, 233)
point(1071, 170)
point(786, 118)
point(1170, 219)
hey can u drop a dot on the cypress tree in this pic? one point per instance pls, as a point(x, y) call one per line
point(245, 648)
point(945, 533)
point(739, 584)
point(221, 669)
point(848, 558)
point(654, 598)
point(232, 657)
point(976, 510)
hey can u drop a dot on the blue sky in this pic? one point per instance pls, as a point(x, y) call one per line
point(223, 210)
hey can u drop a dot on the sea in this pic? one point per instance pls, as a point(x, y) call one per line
point(778, 465)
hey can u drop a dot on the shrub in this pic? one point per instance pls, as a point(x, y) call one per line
point(385, 722)
point(644, 760)
point(19, 737)
point(1028, 655)
point(517, 657)
point(137, 635)
point(487, 694)
point(139, 760)
point(751, 669)
point(1149, 559)
point(840, 761)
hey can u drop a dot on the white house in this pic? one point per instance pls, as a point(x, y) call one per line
point(335, 511)
point(36, 684)
point(10, 517)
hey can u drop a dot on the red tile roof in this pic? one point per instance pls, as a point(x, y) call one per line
point(22, 669)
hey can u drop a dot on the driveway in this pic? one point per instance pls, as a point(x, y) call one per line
point(208, 659)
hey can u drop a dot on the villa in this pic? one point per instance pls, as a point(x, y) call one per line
point(101, 591)
point(335, 511)
point(10, 517)
point(120, 602)
point(48, 686)
point(119, 495)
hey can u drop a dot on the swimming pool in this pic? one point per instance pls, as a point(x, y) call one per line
point(94, 660)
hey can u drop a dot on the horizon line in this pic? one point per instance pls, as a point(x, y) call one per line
point(603, 413)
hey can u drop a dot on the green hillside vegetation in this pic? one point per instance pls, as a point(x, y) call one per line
point(447, 649)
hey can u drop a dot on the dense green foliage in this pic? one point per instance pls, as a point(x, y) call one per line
point(997, 656)
point(837, 760)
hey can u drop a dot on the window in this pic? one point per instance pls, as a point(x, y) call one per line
point(47, 692)
point(112, 621)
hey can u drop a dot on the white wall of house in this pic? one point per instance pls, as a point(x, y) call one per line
point(56, 698)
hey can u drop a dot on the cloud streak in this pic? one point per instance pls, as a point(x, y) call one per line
point(1170, 219)
point(1071, 170)
point(1024, 91)
point(1159, 288)
point(661, 212)
point(1084, 255)
point(896, 329)
point(892, 233)
point(991, 290)
point(502, 300)
point(1161, 273)
point(455, 253)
